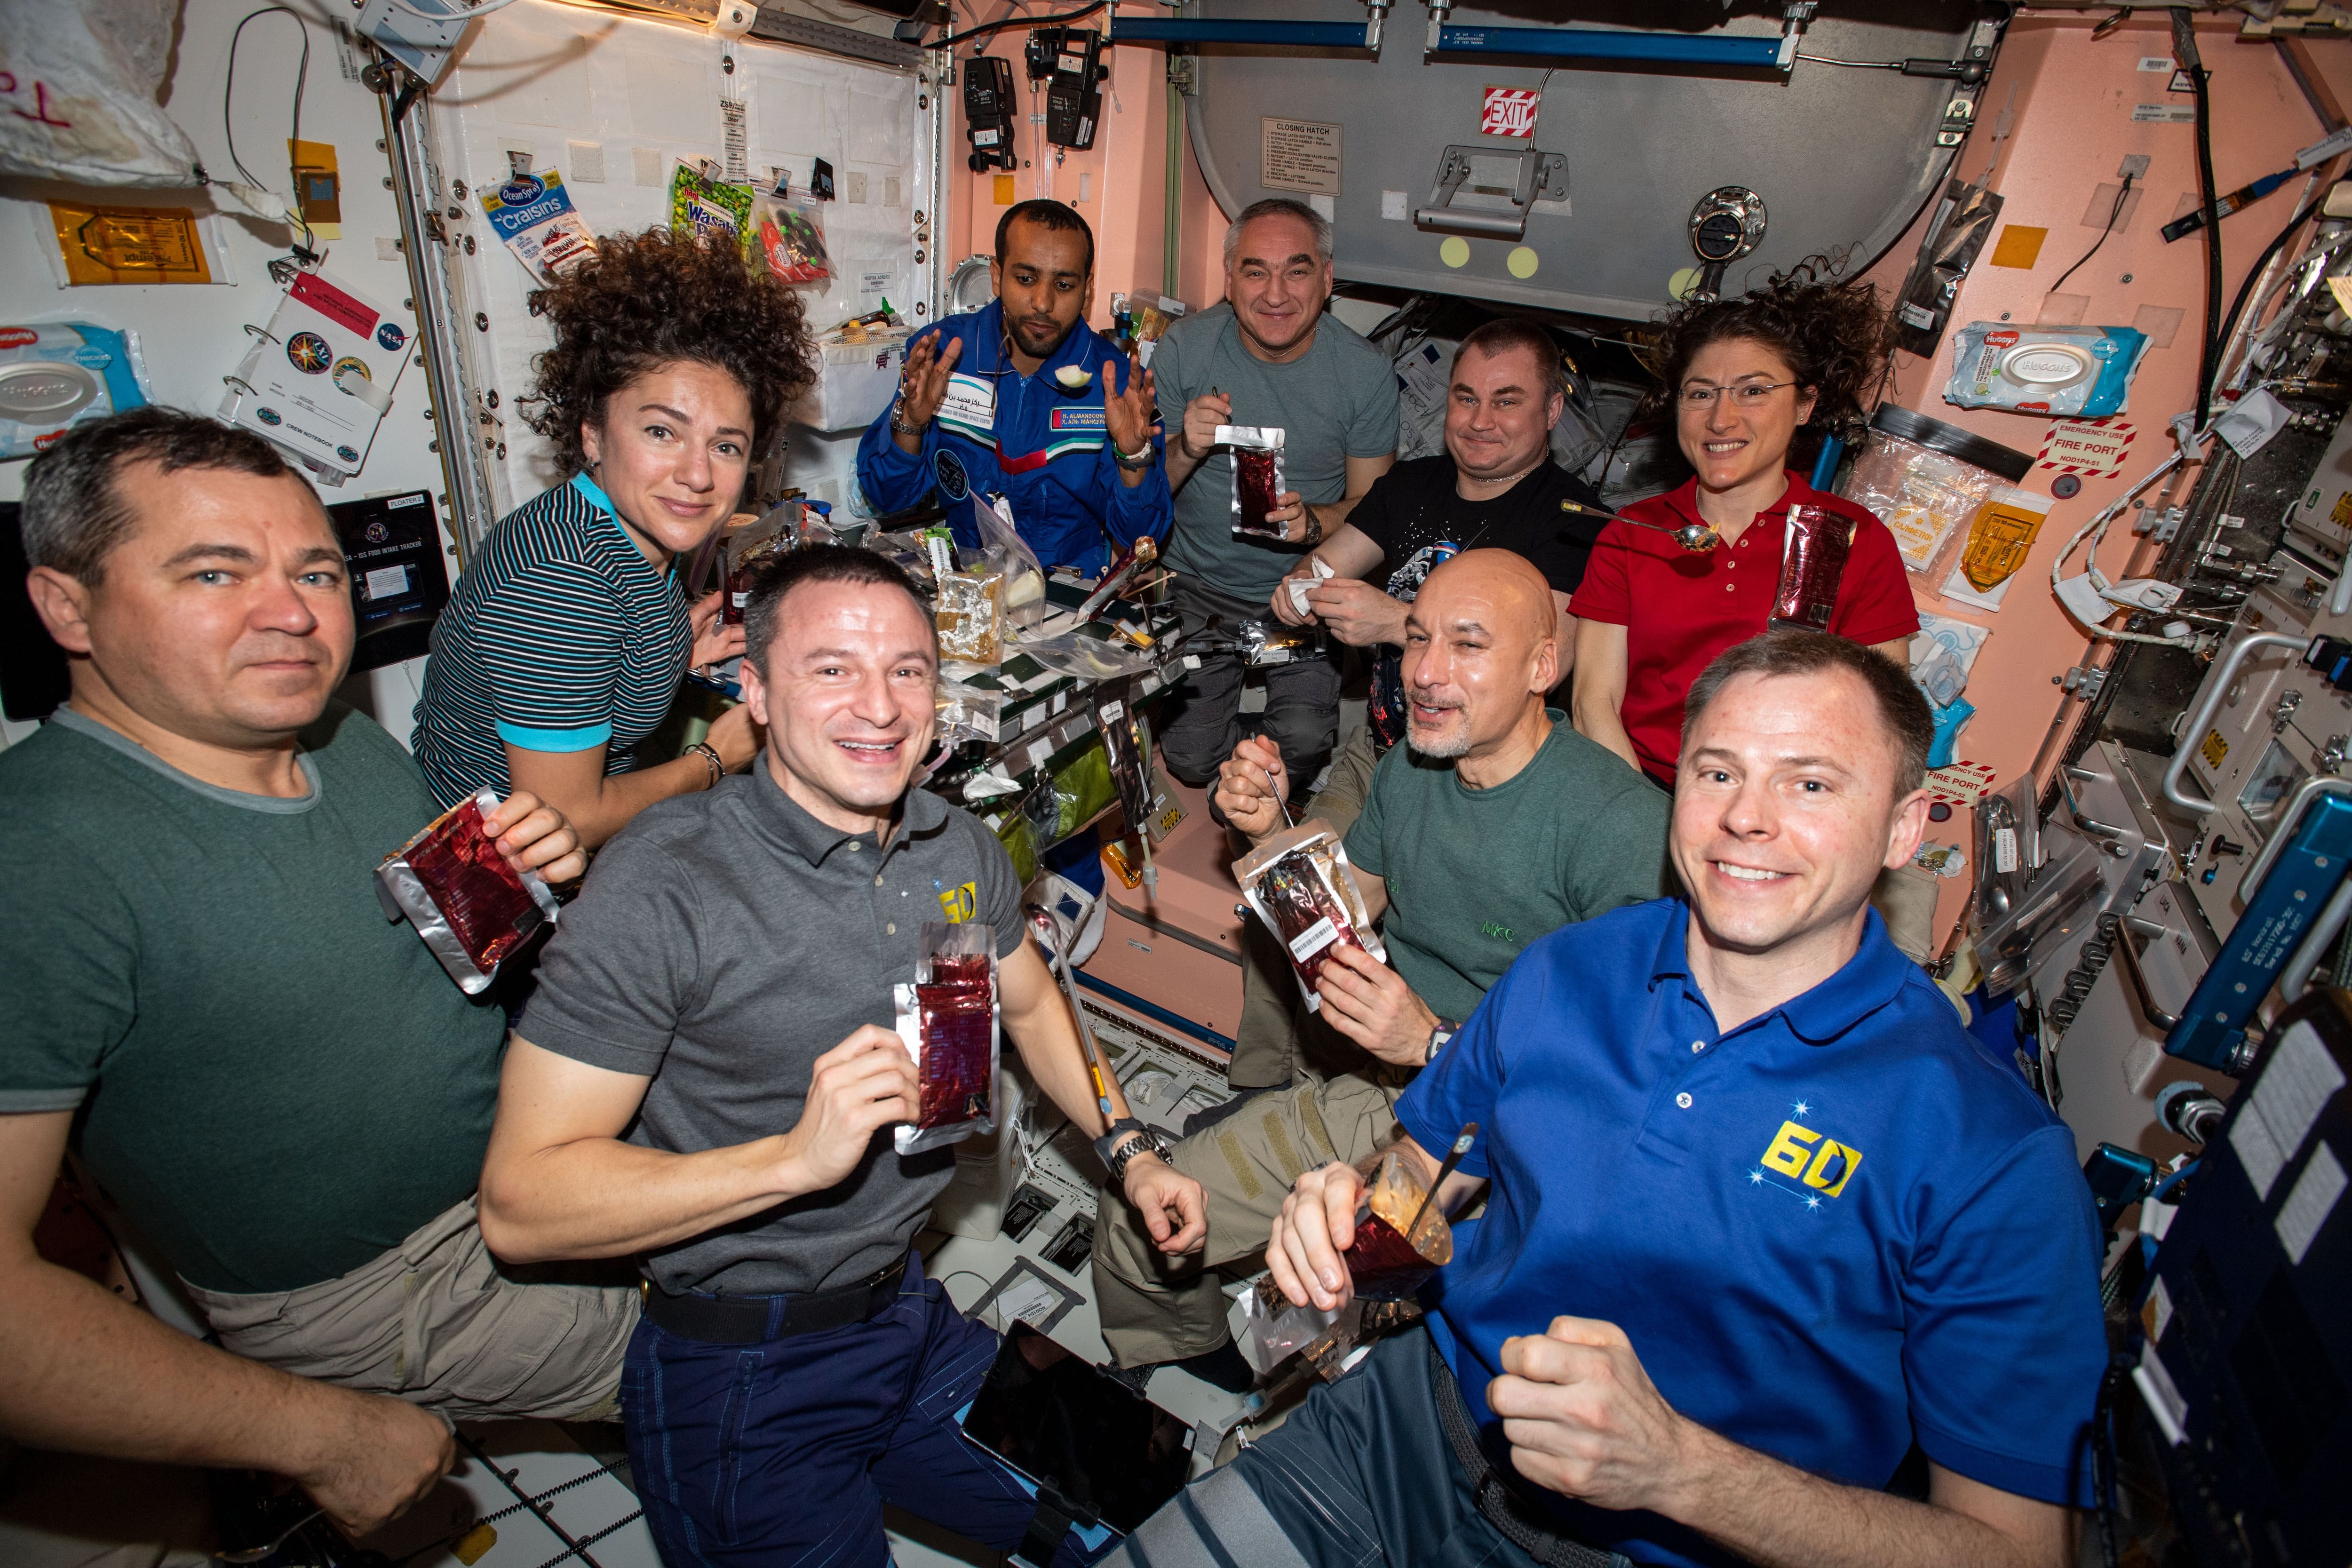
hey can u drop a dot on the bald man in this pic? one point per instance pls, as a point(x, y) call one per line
point(1492, 825)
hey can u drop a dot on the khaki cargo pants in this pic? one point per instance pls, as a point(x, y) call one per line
point(441, 1323)
point(1156, 1308)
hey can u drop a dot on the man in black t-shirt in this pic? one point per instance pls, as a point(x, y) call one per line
point(1493, 487)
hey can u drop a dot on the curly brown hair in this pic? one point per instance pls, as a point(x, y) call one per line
point(655, 299)
point(1836, 338)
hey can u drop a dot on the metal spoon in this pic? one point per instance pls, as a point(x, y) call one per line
point(260, 1554)
point(1698, 538)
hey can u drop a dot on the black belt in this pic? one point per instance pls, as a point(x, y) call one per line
point(1498, 1503)
point(751, 1319)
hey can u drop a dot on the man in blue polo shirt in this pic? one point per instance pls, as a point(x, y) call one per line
point(1759, 1216)
point(1023, 399)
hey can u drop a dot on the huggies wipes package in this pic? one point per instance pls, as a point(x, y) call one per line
point(471, 908)
point(59, 375)
point(2078, 372)
point(948, 1018)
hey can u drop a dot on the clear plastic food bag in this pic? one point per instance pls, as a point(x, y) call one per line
point(1302, 886)
point(970, 613)
point(1258, 478)
point(471, 908)
point(948, 1018)
point(788, 233)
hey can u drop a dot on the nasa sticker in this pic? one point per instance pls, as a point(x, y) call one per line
point(947, 468)
point(348, 453)
point(267, 415)
point(308, 352)
point(390, 337)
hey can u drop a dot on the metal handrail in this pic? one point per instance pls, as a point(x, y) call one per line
point(2194, 730)
point(2129, 951)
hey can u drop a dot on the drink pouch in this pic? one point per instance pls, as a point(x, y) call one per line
point(1814, 549)
point(948, 1019)
point(471, 908)
point(1301, 885)
point(1257, 476)
point(1129, 775)
point(1383, 1262)
point(749, 545)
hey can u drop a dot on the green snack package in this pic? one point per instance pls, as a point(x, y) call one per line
point(703, 207)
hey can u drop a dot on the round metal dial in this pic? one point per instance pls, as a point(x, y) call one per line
point(1727, 223)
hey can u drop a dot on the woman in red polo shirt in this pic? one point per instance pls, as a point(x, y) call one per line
point(1742, 377)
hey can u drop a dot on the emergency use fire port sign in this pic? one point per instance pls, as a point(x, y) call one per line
point(1510, 111)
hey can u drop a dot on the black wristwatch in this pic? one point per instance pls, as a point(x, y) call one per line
point(1440, 1035)
point(1128, 1137)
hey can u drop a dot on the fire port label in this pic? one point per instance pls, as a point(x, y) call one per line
point(1510, 111)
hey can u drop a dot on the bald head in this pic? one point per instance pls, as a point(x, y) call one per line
point(1481, 649)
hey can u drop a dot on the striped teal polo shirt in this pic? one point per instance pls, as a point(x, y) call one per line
point(561, 637)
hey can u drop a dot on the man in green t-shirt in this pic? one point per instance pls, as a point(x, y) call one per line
point(1267, 355)
point(1494, 824)
point(281, 1087)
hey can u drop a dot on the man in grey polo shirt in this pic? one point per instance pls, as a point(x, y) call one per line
point(706, 1079)
point(1266, 357)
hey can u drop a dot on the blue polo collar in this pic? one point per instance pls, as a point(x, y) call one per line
point(1868, 981)
point(595, 495)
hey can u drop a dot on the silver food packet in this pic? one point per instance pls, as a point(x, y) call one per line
point(1258, 478)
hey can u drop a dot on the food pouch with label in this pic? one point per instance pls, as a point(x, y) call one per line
point(1813, 548)
point(1301, 885)
point(471, 908)
point(948, 1018)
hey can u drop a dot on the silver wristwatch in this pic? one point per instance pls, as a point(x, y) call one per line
point(1128, 1137)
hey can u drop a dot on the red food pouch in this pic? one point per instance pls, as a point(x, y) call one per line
point(471, 908)
point(1814, 549)
point(948, 1019)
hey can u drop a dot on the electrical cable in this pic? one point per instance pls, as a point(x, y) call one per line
point(1858, 65)
point(294, 136)
point(2184, 48)
point(2238, 305)
point(950, 39)
point(2113, 213)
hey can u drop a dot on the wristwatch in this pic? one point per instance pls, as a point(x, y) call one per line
point(1440, 1035)
point(1314, 535)
point(1132, 461)
point(901, 426)
point(1128, 1137)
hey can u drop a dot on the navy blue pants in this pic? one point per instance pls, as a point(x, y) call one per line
point(1359, 1476)
point(783, 1453)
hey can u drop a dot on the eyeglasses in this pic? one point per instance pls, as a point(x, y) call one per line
point(1747, 394)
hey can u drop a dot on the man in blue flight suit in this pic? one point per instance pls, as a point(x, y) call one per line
point(1006, 401)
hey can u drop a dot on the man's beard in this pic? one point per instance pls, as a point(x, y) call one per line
point(1455, 745)
point(1019, 331)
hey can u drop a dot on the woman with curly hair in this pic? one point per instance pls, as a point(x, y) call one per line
point(563, 643)
point(1743, 378)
